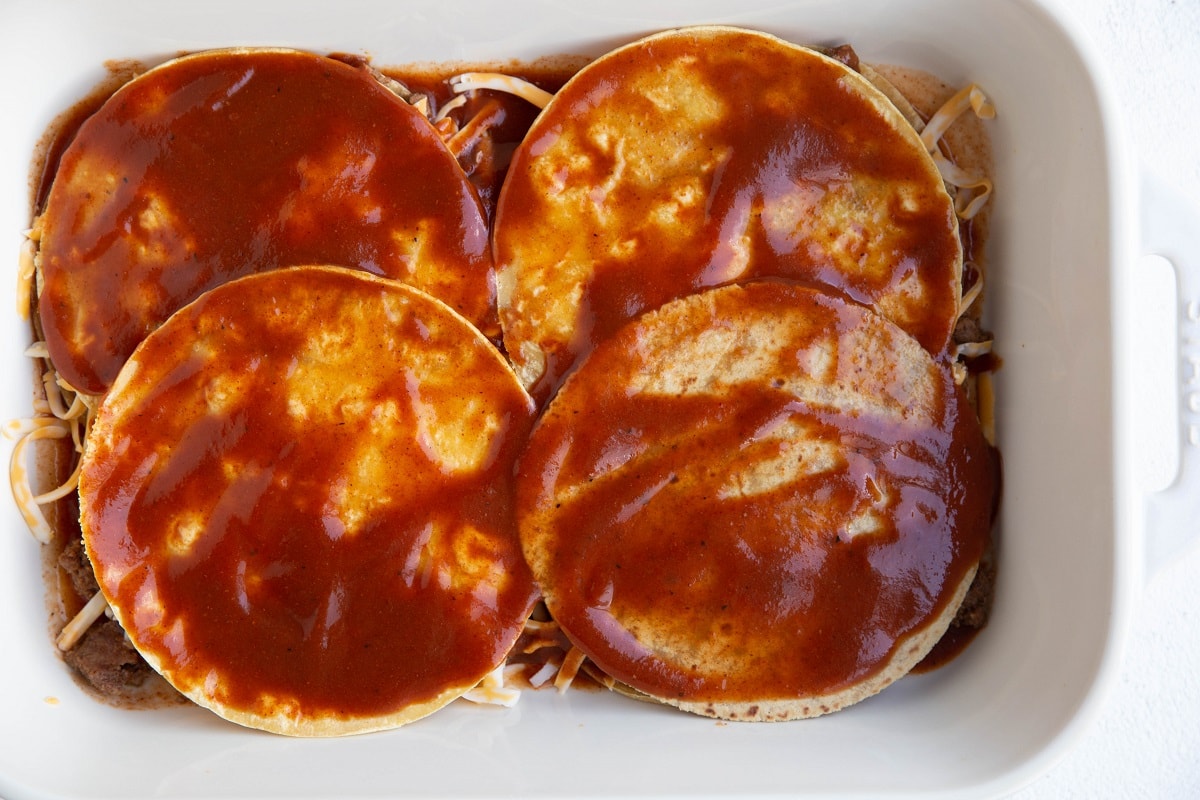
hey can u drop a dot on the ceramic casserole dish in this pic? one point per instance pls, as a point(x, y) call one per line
point(1077, 501)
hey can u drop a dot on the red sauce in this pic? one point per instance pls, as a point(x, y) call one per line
point(949, 647)
point(250, 162)
point(62, 130)
point(486, 165)
point(276, 593)
point(817, 140)
point(807, 610)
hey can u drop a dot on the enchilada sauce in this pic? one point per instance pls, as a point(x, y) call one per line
point(696, 159)
point(90, 361)
point(681, 548)
point(311, 514)
point(222, 164)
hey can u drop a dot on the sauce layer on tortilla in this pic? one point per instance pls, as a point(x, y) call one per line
point(706, 156)
point(760, 502)
point(297, 498)
point(228, 162)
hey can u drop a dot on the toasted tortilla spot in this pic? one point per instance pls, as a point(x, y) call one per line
point(703, 156)
point(346, 569)
point(185, 531)
point(759, 496)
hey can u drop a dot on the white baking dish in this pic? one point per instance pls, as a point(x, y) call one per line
point(1077, 504)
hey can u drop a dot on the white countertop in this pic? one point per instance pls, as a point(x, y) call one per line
point(1146, 742)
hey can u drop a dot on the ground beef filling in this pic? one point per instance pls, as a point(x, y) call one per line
point(104, 657)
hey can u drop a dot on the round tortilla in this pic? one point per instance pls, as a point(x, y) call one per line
point(297, 498)
point(227, 162)
point(705, 156)
point(758, 502)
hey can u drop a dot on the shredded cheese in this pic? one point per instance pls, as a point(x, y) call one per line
point(74, 630)
point(545, 673)
point(57, 402)
point(569, 669)
point(970, 296)
point(974, 349)
point(27, 268)
point(473, 132)
point(541, 634)
point(492, 691)
point(68, 486)
point(25, 277)
point(966, 204)
point(458, 101)
point(56, 420)
point(27, 432)
point(472, 81)
point(970, 96)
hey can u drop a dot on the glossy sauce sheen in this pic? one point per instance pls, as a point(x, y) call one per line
point(344, 448)
point(763, 162)
point(686, 592)
point(226, 163)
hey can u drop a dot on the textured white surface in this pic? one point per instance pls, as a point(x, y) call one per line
point(1146, 742)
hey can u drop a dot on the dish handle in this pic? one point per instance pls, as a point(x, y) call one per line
point(1165, 292)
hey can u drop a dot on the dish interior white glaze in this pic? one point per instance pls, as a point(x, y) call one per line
point(988, 722)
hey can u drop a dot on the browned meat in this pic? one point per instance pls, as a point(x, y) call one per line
point(107, 661)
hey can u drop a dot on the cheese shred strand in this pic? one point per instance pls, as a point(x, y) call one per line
point(496, 81)
point(970, 97)
point(79, 624)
